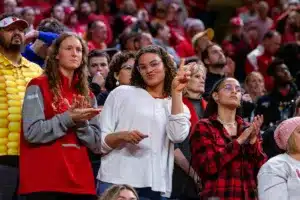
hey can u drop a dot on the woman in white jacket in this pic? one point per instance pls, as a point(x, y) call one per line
point(279, 178)
point(141, 123)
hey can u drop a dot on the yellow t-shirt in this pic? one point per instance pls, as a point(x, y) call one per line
point(13, 81)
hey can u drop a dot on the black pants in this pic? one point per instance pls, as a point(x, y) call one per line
point(58, 196)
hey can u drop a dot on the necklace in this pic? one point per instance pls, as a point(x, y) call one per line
point(226, 123)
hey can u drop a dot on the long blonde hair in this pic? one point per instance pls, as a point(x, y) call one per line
point(113, 192)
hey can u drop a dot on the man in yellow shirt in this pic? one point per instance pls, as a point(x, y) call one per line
point(15, 73)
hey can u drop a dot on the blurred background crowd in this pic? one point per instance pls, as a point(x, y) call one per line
point(255, 42)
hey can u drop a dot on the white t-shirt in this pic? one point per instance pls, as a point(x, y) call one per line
point(151, 162)
point(279, 179)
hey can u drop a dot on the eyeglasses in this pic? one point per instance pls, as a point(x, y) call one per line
point(231, 88)
point(153, 65)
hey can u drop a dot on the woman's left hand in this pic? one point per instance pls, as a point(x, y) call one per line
point(182, 77)
point(257, 123)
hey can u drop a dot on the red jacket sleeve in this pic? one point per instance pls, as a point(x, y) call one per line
point(206, 159)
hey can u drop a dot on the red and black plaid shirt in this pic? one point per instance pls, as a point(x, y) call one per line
point(227, 169)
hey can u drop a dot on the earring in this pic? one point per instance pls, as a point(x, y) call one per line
point(117, 83)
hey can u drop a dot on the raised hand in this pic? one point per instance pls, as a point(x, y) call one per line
point(245, 135)
point(257, 123)
point(98, 79)
point(182, 77)
point(30, 36)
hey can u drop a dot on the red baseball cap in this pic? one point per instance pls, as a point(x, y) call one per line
point(13, 20)
point(236, 21)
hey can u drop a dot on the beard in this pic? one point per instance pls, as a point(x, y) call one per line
point(11, 46)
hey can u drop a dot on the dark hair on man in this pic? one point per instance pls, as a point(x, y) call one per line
point(154, 28)
point(52, 25)
point(272, 67)
point(98, 53)
point(90, 26)
point(205, 53)
point(25, 10)
point(127, 36)
point(4, 15)
point(270, 34)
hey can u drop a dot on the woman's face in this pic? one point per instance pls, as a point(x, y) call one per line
point(197, 82)
point(296, 138)
point(152, 69)
point(125, 72)
point(229, 94)
point(29, 16)
point(73, 19)
point(126, 195)
point(70, 53)
point(256, 84)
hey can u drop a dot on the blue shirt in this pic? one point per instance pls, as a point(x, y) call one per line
point(29, 54)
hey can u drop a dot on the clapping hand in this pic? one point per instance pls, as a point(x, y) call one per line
point(257, 123)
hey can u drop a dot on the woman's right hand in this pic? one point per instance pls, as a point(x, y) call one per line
point(245, 135)
point(133, 137)
point(83, 114)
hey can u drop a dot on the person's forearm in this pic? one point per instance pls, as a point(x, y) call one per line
point(115, 140)
point(177, 104)
point(183, 163)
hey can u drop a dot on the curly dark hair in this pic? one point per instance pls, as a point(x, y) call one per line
point(52, 71)
point(169, 65)
point(115, 66)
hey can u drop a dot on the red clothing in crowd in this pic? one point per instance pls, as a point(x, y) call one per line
point(92, 45)
point(185, 49)
point(194, 117)
point(50, 167)
point(93, 17)
point(263, 63)
point(227, 169)
point(193, 5)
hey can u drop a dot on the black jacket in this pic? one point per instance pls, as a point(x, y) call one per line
point(275, 107)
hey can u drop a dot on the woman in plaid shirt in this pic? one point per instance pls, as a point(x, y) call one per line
point(226, 151)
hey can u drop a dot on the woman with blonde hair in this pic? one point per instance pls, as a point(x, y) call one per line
point(59, 122)
point(116, 192)
point(255, 88)
point(185, 180)
point(279, 178)
point(255, 85)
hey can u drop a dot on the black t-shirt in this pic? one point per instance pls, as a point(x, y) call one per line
point(182, 183)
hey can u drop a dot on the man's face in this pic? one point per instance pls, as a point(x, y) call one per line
point(283, 74)
point(273, 44)
point(216, 56)
point(58, 13)
point(98, 64)
point(165, 33)
point(12, 38)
